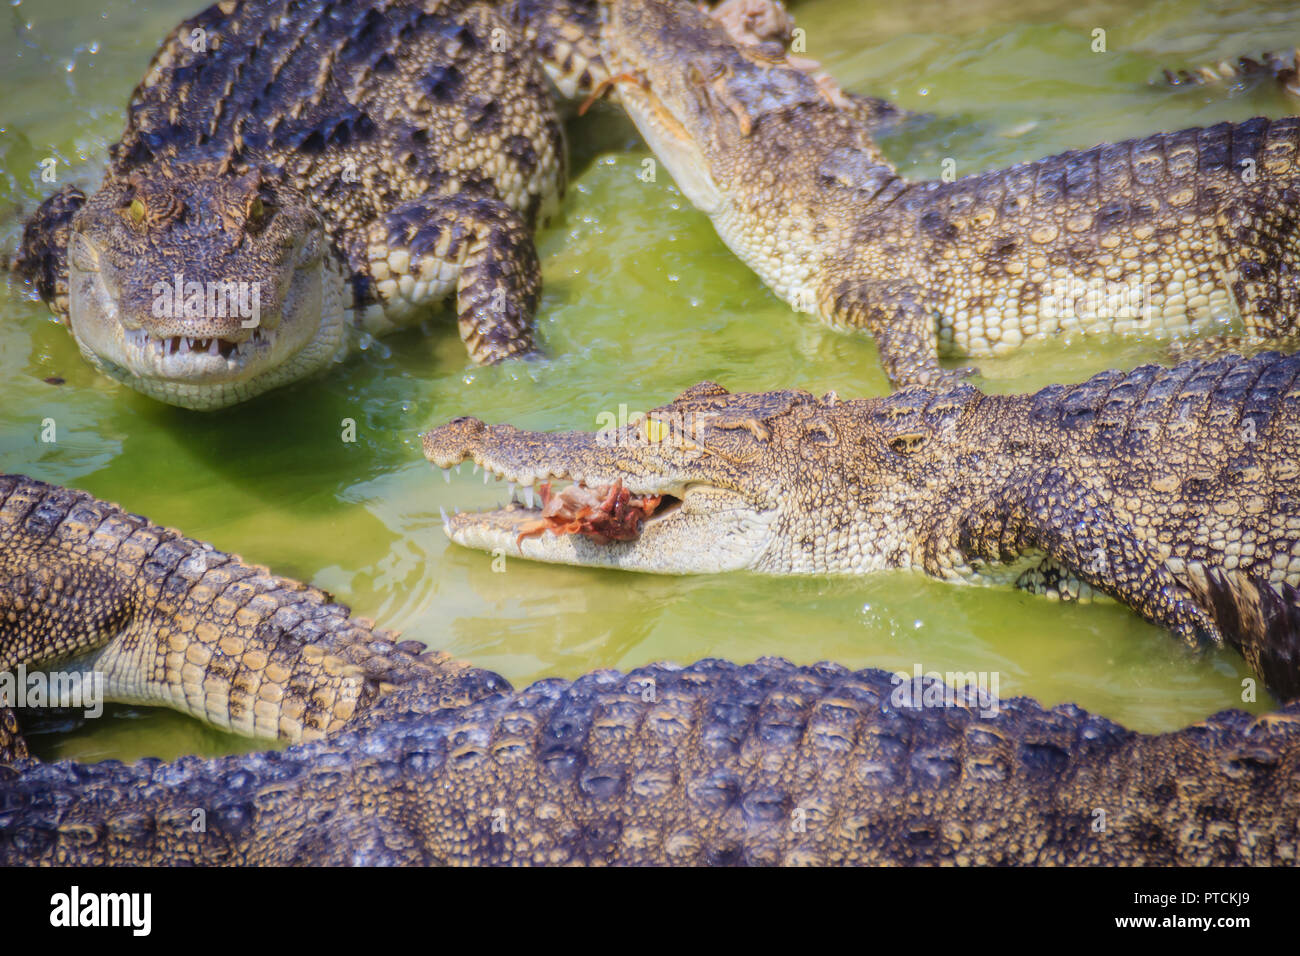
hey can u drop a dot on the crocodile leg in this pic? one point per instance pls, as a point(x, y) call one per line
point(477, 247)
point(42, 258)
point(1052, 579)
point(1265, 287)
point(1265, 284)
point(1052, 514)
point(563, 32)
point(903, 330)
point(1262, 621)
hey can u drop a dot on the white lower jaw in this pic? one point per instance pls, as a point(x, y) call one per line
point(207, 382)
point(149, 359)
point(209, 395)
point(212, 381)
point(690, 173)
point(733, 542)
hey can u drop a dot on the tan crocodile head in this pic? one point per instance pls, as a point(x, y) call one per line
point(694, 93)
point(730, 121)
point(713, 481)
point(186, 277)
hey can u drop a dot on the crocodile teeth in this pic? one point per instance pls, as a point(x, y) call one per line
point(446, 475)
point(528, 495)
point(486, 476)
point(175, 345)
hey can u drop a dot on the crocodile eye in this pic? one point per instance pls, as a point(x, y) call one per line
point(136, 211)
point(260, 211)
point(656, 431)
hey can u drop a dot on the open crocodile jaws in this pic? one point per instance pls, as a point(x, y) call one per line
point(648, 493)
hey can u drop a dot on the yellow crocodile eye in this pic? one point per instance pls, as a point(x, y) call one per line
point(137, 211)
point(655, 430)
point(257, 209)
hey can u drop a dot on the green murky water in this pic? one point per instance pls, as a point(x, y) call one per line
point(641, 300)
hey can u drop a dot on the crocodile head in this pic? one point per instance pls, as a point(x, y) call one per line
point(777, 482)
point(753, 139)
point(696, 94)
point(200, 286)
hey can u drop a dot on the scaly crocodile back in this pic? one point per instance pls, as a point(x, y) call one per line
point(716, 763)
point(346, 99)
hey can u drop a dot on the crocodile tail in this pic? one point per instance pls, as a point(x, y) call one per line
point(1261, 620)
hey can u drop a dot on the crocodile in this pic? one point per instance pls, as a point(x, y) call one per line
point(1168, 235)
point(400, 755)
point(1134, 484)
point(298, 174)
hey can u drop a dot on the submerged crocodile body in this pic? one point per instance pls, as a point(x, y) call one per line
point(1141, 485)
point(297, 173)
point(1169, 234)
point(426, 760)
